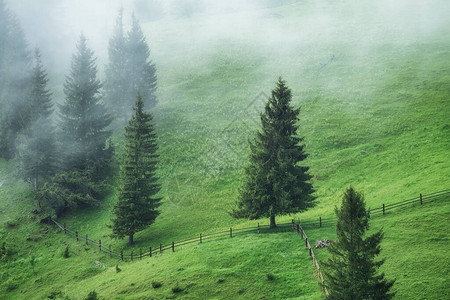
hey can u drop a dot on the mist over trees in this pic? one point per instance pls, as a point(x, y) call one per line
point(38, 155)
point(130, 69)
point(85, 158)
point(274, 183)
point(14, 82)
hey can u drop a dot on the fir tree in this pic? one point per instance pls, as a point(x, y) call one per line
point(84, 118)
point(116, 85)
point(129, 70)
point(14, 80)
point(83, 121)
point(351, 272)
point(275, 183)
point(137, 204)
point(38, 155)
point(140, 69)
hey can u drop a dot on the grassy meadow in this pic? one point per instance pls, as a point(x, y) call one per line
point(374, 92)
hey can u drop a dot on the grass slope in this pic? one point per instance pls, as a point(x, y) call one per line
point(374, 89)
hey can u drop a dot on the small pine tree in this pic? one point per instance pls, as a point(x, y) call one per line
point(351, 272)
point(275, 183)
point(137, 205)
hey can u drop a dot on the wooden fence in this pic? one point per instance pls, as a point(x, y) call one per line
point(382, 210)
point(150, 251)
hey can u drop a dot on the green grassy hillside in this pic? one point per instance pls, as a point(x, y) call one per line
point(373, 84)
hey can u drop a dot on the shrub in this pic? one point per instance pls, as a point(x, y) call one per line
point(177, 289)
point(118, 269)
point(92, 296)
point(156, 284)
point(270, 277)
point(66, 252)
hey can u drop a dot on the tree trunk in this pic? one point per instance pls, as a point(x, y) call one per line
point(272, 222)
point(130, 239)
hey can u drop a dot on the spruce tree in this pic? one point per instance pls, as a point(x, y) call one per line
point(275, 183)
point(117, 81)
point(14, 81)
point(141, 71)
point(129, 70)
point(351, 272)
point(82, 143)
point(38, 155)
point(137, 204)
point(84, 117)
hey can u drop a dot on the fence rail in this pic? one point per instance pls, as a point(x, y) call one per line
point(382, 210)
point(232, 231)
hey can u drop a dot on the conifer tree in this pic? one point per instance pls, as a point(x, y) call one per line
point(38, 155)
point(84, 118)
point(351, 272)
point(141, 70)
point(137, 204)
point(275, 183)
point(116, 85)
point(129, 70)
point(14, 80)
point(83, 121)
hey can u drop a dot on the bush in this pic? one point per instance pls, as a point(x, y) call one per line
point(92, 296)
point(118, 269)
point(270, 277)
point(66, 252)
point(156, 284)
point(177, 289)
point(11, 285)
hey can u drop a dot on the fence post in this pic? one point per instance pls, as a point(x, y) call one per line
point(131, 255)
point(76, 235)
point(86, 239)
point(258, 228)
point(100, 245)
point(306, 242)
point(310, 252)
point(231, 232)
point(320, 221)
point(150, 251)
point(173, 247)
point(160, 248)
point(140, 253)
point(65, 228)
point(301, 232)
point(298, 228)
point(383, 210)
point(110, 254)
point(421, 199)
point(293, 224)
point(200, 238)
point(121, 254)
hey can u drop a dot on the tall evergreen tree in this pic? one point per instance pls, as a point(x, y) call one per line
point(141, 70)
point(116, 85)
point(84, 117)
point(275, 183)
point(351, 272)
point(14, 80)
point(38, 155)
point(83, 122)
point(137, 204)
point(129, 70)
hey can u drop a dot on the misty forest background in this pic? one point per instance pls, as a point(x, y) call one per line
point(372, 83)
